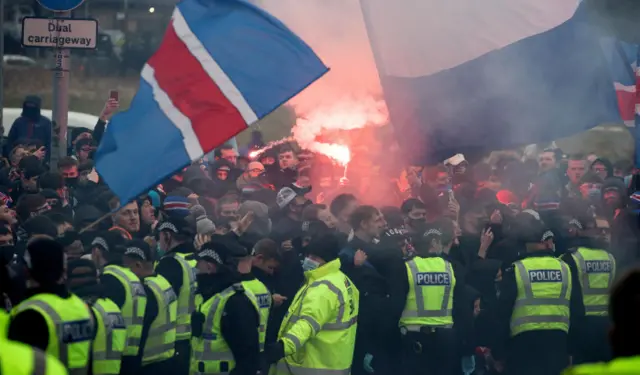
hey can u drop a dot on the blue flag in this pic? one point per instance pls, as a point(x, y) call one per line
point(472, 77)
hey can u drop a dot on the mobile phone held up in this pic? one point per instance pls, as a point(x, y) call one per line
point(113, 94)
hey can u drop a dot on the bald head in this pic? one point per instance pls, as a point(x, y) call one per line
point(255, 169)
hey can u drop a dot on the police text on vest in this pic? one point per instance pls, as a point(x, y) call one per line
point(80, 330)
point(541, 276)
point(264, 300)
point(598, 266)
point(433, 278)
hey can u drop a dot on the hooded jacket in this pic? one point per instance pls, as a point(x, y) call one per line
point(30, 125)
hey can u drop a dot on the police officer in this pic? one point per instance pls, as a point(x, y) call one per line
point(19, 359)
point(51, 318)
point(262, 294)
point(175, 239)
point(111, 335)
point(624, 309)
point(225, 327)
point(158, 337)
point(435, 302)
point(534, 306)
point(318, 333)
point(593, 270)
point(125, 289)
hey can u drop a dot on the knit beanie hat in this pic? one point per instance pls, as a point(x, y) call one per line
point(176, 206)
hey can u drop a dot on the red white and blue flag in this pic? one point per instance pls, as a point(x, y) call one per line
point(222, 66)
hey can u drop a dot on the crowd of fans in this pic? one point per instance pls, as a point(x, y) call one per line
point(476, 216)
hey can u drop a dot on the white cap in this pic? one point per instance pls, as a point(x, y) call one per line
point(455, 160)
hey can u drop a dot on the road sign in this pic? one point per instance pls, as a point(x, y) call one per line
point(60, 5)
point(59, 33)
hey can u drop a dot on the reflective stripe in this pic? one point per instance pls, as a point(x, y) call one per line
point(159, 349)
point(135, 319)
point(294, 339)
point(288, 368)
point(335, 290)
point(336, 326)
point(422, 312)
point(63, 348)
point(208, 354)
point(39, 362)
point(181, 328)
point(216, 356)
point(540, 319)
point(340, 326)
point(315, 325)
point(108, 353)
point(596, 309)
point(417, 328)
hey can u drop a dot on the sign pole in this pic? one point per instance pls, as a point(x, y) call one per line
point(61, 93)
point(2, 65)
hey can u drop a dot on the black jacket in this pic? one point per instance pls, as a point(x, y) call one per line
point(239, 324)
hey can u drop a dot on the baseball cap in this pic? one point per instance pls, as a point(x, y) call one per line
point(178, 225)
point(138, 249)
point(287, 194)
point(221, 251)
point(110, 242)
point(530, 229)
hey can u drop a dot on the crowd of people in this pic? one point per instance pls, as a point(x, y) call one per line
point(267, 264)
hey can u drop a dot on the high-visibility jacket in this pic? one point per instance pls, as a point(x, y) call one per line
point(319, 330)
point(596, 271)
point(618, 366)
point(161, 341)
point(263, 298)
point(17, 358)
point(135, 303)
point(544, 293)
point(111, 338)
point(4, 323)
point(71, 328)
point(430, 298)
point(186, 295)
point(210, 351)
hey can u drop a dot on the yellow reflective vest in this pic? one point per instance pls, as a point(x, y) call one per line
point(111, 338)
point(263, 298)
point(596, 271)
point(19, 359)
point(210, 352)
point(134, 306)
point(71, 328)
point(161, 341)
point(544, 293)
point(319, 330)
point(187, 300)
point(619, 366)
point(430, 297)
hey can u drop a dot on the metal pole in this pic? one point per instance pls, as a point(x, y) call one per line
point(62, 64)
point(2, 64)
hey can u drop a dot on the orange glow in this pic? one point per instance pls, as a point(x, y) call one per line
point(345, 114)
